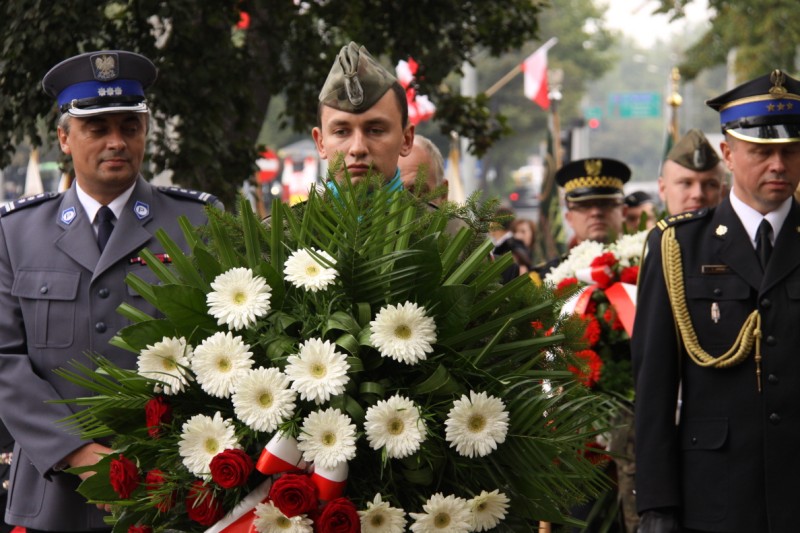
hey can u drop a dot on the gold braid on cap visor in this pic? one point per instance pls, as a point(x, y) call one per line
point(593, 181)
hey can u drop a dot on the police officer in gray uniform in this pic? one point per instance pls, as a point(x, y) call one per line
point(63, 259)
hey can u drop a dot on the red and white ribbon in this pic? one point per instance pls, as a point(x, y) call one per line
point(280, 455)
point(330, 482)
point(241, 517)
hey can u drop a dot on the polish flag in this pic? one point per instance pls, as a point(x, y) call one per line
point(534, 69)
point(420, 108)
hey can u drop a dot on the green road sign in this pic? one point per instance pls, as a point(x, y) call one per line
point(635, 105)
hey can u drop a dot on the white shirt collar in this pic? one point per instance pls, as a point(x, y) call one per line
point(91, 206)
point(751, 218)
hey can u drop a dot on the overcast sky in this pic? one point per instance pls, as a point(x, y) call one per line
point(635, 18)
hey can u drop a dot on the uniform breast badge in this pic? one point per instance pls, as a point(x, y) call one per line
point(715, 312)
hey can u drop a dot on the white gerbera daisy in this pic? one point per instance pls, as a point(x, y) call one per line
point(305, 271)
point(238, 298)
point(442, 515)
point(403, 332)
point(269, 519)
point(220, 362)
point(263, 400)
point(487, 509)
point(395, 423)
point(476, 425)
point(318, 371)
point(203, 437)
point(380, 517)
point(327, 438)
point(167, 361)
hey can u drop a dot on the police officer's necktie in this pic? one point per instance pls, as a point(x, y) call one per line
point(763, 243)
point(105, 225)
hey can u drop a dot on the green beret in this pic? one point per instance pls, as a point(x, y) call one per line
point(356, 81)
point(693, 151)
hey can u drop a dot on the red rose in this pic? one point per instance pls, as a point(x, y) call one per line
point(589, 373)
point(629, 275)
point(140, 529)
point(231, 468)
point(157, 413)
point(201, 506)
point(124, 476)
point(154, 482)
point(294, 494)
point(339, 516)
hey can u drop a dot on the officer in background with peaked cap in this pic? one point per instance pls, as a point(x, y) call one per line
point(720, 326)
point(692, 176)
point(63, 259)
point(363, 117)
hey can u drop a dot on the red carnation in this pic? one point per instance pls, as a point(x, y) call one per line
point(565, 285)
point(201, 506)
point(612, 319)
point(140, 529)
point(593, 452)
point(157, 413)
point(605, 259)
point(593, 331)
point(124, 476)
point(231, 468)
point(339, 516)
point(590, 372)
point(630, 275)
point(537, 325)
point(294, 494)
point(154, 482)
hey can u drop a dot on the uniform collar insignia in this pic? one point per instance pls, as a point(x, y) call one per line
point(68, 215)
point(141, 210)
point(721, 230)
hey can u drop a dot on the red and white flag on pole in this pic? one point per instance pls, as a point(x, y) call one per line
point(534, 69)
point(420, 108)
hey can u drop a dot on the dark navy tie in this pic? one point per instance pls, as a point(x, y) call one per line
point(763, 243)
point(105, 225)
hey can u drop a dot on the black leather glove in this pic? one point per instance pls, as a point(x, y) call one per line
point(659, 521)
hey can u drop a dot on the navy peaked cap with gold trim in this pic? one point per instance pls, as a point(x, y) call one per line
point(108, 81)
point(763, 110)
point(593, 179)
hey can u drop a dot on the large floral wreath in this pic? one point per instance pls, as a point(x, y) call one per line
point(348, 366)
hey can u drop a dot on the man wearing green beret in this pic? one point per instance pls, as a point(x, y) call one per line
point(363, 117)
point(692, 175)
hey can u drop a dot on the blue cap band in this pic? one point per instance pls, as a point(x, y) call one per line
point(769, 107)
point(95, 89)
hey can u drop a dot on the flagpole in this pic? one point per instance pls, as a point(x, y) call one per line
point(502, 82)
point(675, 100)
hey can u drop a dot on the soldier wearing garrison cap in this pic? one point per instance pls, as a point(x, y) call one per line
point(720, 328)
point(63, 259)
point(363, 117)
point(692, 175)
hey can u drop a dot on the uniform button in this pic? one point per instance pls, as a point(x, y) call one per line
point(772, 378)
point(774, 418)
point(766, 303)
point(5, 484)
point(100, 327)
point(103, 293)
point(694, 440)
point(717, 292)
point(43, 290)
point(771, 341)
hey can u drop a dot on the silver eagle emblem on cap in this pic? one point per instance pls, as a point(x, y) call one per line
point(105, 66)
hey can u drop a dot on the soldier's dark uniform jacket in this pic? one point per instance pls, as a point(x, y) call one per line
point(59, 297)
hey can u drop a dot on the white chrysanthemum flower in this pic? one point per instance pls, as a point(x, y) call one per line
point(238, 298)
point(220, 362)
point(579, 258)
point(628, 248)
point(487, 509)
point(403, 332)
point(269, 519)
point(476, 425)
point(380, 517)
point(203, 437)
point(167, 361)
point(305, 271)
point(318, 371)
point(327, 438)
point(442, 515)
point(395, 424)
point(263, 400)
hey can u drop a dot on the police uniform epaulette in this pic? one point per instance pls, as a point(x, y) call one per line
point(181, 192)
point(22, 203)
point(683, 217)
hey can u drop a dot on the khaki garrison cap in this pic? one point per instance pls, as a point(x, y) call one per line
point(356, 81)
point(693, 151)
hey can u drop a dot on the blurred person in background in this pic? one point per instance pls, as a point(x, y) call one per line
point(426, 159)
point(524, 230)
point(639, 203)
point(692, 175)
